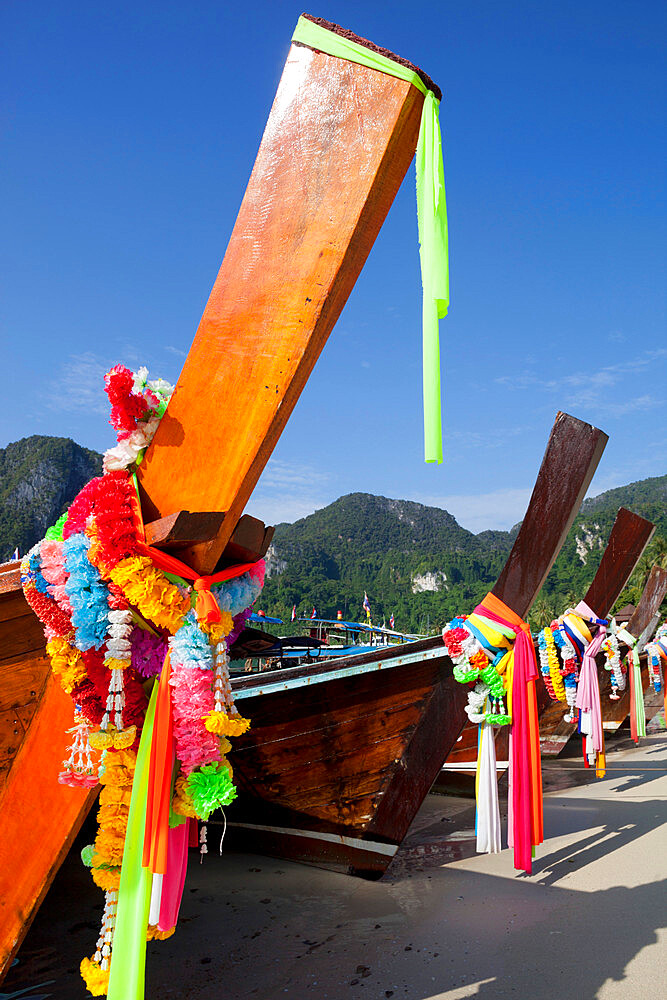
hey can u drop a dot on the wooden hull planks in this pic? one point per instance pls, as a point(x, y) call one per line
point(39, 818)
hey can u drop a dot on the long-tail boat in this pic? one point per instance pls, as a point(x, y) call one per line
point(628, 539)
point(337, 145)
point(341, 754)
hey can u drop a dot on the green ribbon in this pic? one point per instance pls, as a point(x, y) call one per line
point(640, 712)
point(431, 214)
point(635, 679)
point(128, 956)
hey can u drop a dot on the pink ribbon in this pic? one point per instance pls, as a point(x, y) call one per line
point(526, 778)
point(174, 879)
point(588, 689)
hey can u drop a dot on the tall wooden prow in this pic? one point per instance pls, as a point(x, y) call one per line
point(339, 140)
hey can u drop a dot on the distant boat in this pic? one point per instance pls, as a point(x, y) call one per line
point(327, 639)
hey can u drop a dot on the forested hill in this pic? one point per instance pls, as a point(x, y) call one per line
point(39, 478)
point(414, 561)
point(420, 564)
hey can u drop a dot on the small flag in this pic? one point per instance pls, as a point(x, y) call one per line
point(294, 613)
point(16, 553)
point(314, 614)
point(391, 621)
point(367, 606)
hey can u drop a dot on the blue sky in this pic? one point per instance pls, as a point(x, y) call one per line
point(129, 133)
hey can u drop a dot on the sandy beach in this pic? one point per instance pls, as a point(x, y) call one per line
point(443, 924)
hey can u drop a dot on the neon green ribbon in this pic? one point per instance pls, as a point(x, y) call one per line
point(128, 956)
point(431, 214)
point(635, 679)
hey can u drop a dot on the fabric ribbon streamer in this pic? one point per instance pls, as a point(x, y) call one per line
point(588, 696)
point(128, 957)
point(497, 623)
point(156, 830)
point(487, 824)
point(206, 607)
point(637, 712)
point(174, 879)
point(431, 213)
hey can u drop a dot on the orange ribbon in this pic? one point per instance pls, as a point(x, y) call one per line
point(528, 819)
point(156, 834)
point(206, 608)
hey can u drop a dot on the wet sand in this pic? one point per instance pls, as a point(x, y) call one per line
point(443, 924)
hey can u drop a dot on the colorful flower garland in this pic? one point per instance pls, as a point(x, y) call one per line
point(492, 649)
point(656, 652)
point(111, 615)
point(612, 653)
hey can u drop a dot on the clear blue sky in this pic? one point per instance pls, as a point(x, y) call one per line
point(130, 129)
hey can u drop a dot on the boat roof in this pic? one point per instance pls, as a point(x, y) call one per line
point(359, 627)
point(254, 617)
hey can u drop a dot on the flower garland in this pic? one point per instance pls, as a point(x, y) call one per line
point(492, 649)
point(110, 615)
point(612, 654)
point(472, 663)
point(568, 671)
point(549, 664)
point(656, 652)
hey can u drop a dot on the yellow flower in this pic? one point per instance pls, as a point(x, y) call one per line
point(226, 725)
point(95, 978)
point(218, 630)
point(66, 663)
point(181, 803)
point(107, 879)
point(113, 664)
point(153, 934)
point(152, 594)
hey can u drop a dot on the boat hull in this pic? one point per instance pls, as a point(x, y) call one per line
point(39, 818)
point(338, 762)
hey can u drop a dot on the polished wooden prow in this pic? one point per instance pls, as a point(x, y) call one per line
point(572, 455)
point(177, 532)
point(338, 142)
point(629, 537)
point(646, 616)
point(550, 514)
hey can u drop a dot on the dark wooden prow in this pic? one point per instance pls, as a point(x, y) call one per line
point(648, 609)
point(338, 142)
point(570, 460)
point(177, 532)
point(573, 452)
point(629, 537)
